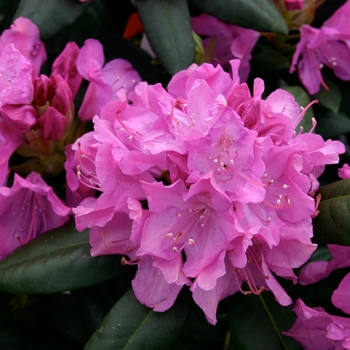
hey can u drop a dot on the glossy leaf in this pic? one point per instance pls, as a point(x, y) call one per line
point(330, 124)
point(303, 99)
point(267, 59)
point(332, 225)
point(131, 325)
point(330, 99)
point(261, 15)
point(56, 261)
point(256, 322)
point(168, 29)
point(50, 16)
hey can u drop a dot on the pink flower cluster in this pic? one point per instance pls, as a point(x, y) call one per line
point(326, 46)
point(36, 121)
point(205, 185)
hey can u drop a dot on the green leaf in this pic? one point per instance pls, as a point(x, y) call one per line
point(330, 124)
point(260, 15)
point(330, 99)
point(266, 59)
point(56, 261)
point(131, 325)
point(256, 322)
point(50, 15)
point(332, 224)
point(168, 29)
point(303, 99)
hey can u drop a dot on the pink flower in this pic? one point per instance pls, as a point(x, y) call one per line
point(211, 186)
point(28, 208)
point(344, 171)
point(105, 81)
point(225, 42)
point(9, 141)
point(318, 270)
point(24, 35)
point(340, 297)
point(329, 45)
point(65, 65)
point(16, 86)
point(294, 4)
point(316, 329)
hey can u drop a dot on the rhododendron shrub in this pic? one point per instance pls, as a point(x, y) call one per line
point(229, 187)
point(174, 174)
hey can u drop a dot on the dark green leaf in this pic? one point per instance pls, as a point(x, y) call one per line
point(332, 225)
point(330, 124)
point(50, 15)
point(65, 312)
point(168, 29)
point(330, 99)
point(303, 99)
point(260, 15)
point(56, 261)
point(256, 322)
point(266, 59)
point(130, 325)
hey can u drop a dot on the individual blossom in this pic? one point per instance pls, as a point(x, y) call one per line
point(8, 143)
point(316, 329)
point(105, 80)
point(65, 66)
point(318, 270)
point(28, 208)
point(225, 42)
point(212, 186)
point(16, 82)
point(25, 37)
point(340, 297)
point(328, 45)
point(344, 171)
point(16, 89)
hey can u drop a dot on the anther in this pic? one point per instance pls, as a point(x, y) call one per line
point(191, 242)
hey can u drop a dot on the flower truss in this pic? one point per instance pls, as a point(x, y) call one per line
point(204, 185)
point(37, 123)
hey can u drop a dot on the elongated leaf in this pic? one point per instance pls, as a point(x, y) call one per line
point(330, 99)
point(56, 261)
point(261, 15)
point(256, 322)
point(267, 59)
point(168, 29)
point(303, 99)
point(332, 225)
point(330, 124)
point(131, 325)
point(50, 15)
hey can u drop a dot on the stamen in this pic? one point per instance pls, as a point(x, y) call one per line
point(123, 261)
point(109, 244)
point(302, 114)
point(278, 205)
point(133, 133)
point(317, 202)
point(85, 176)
